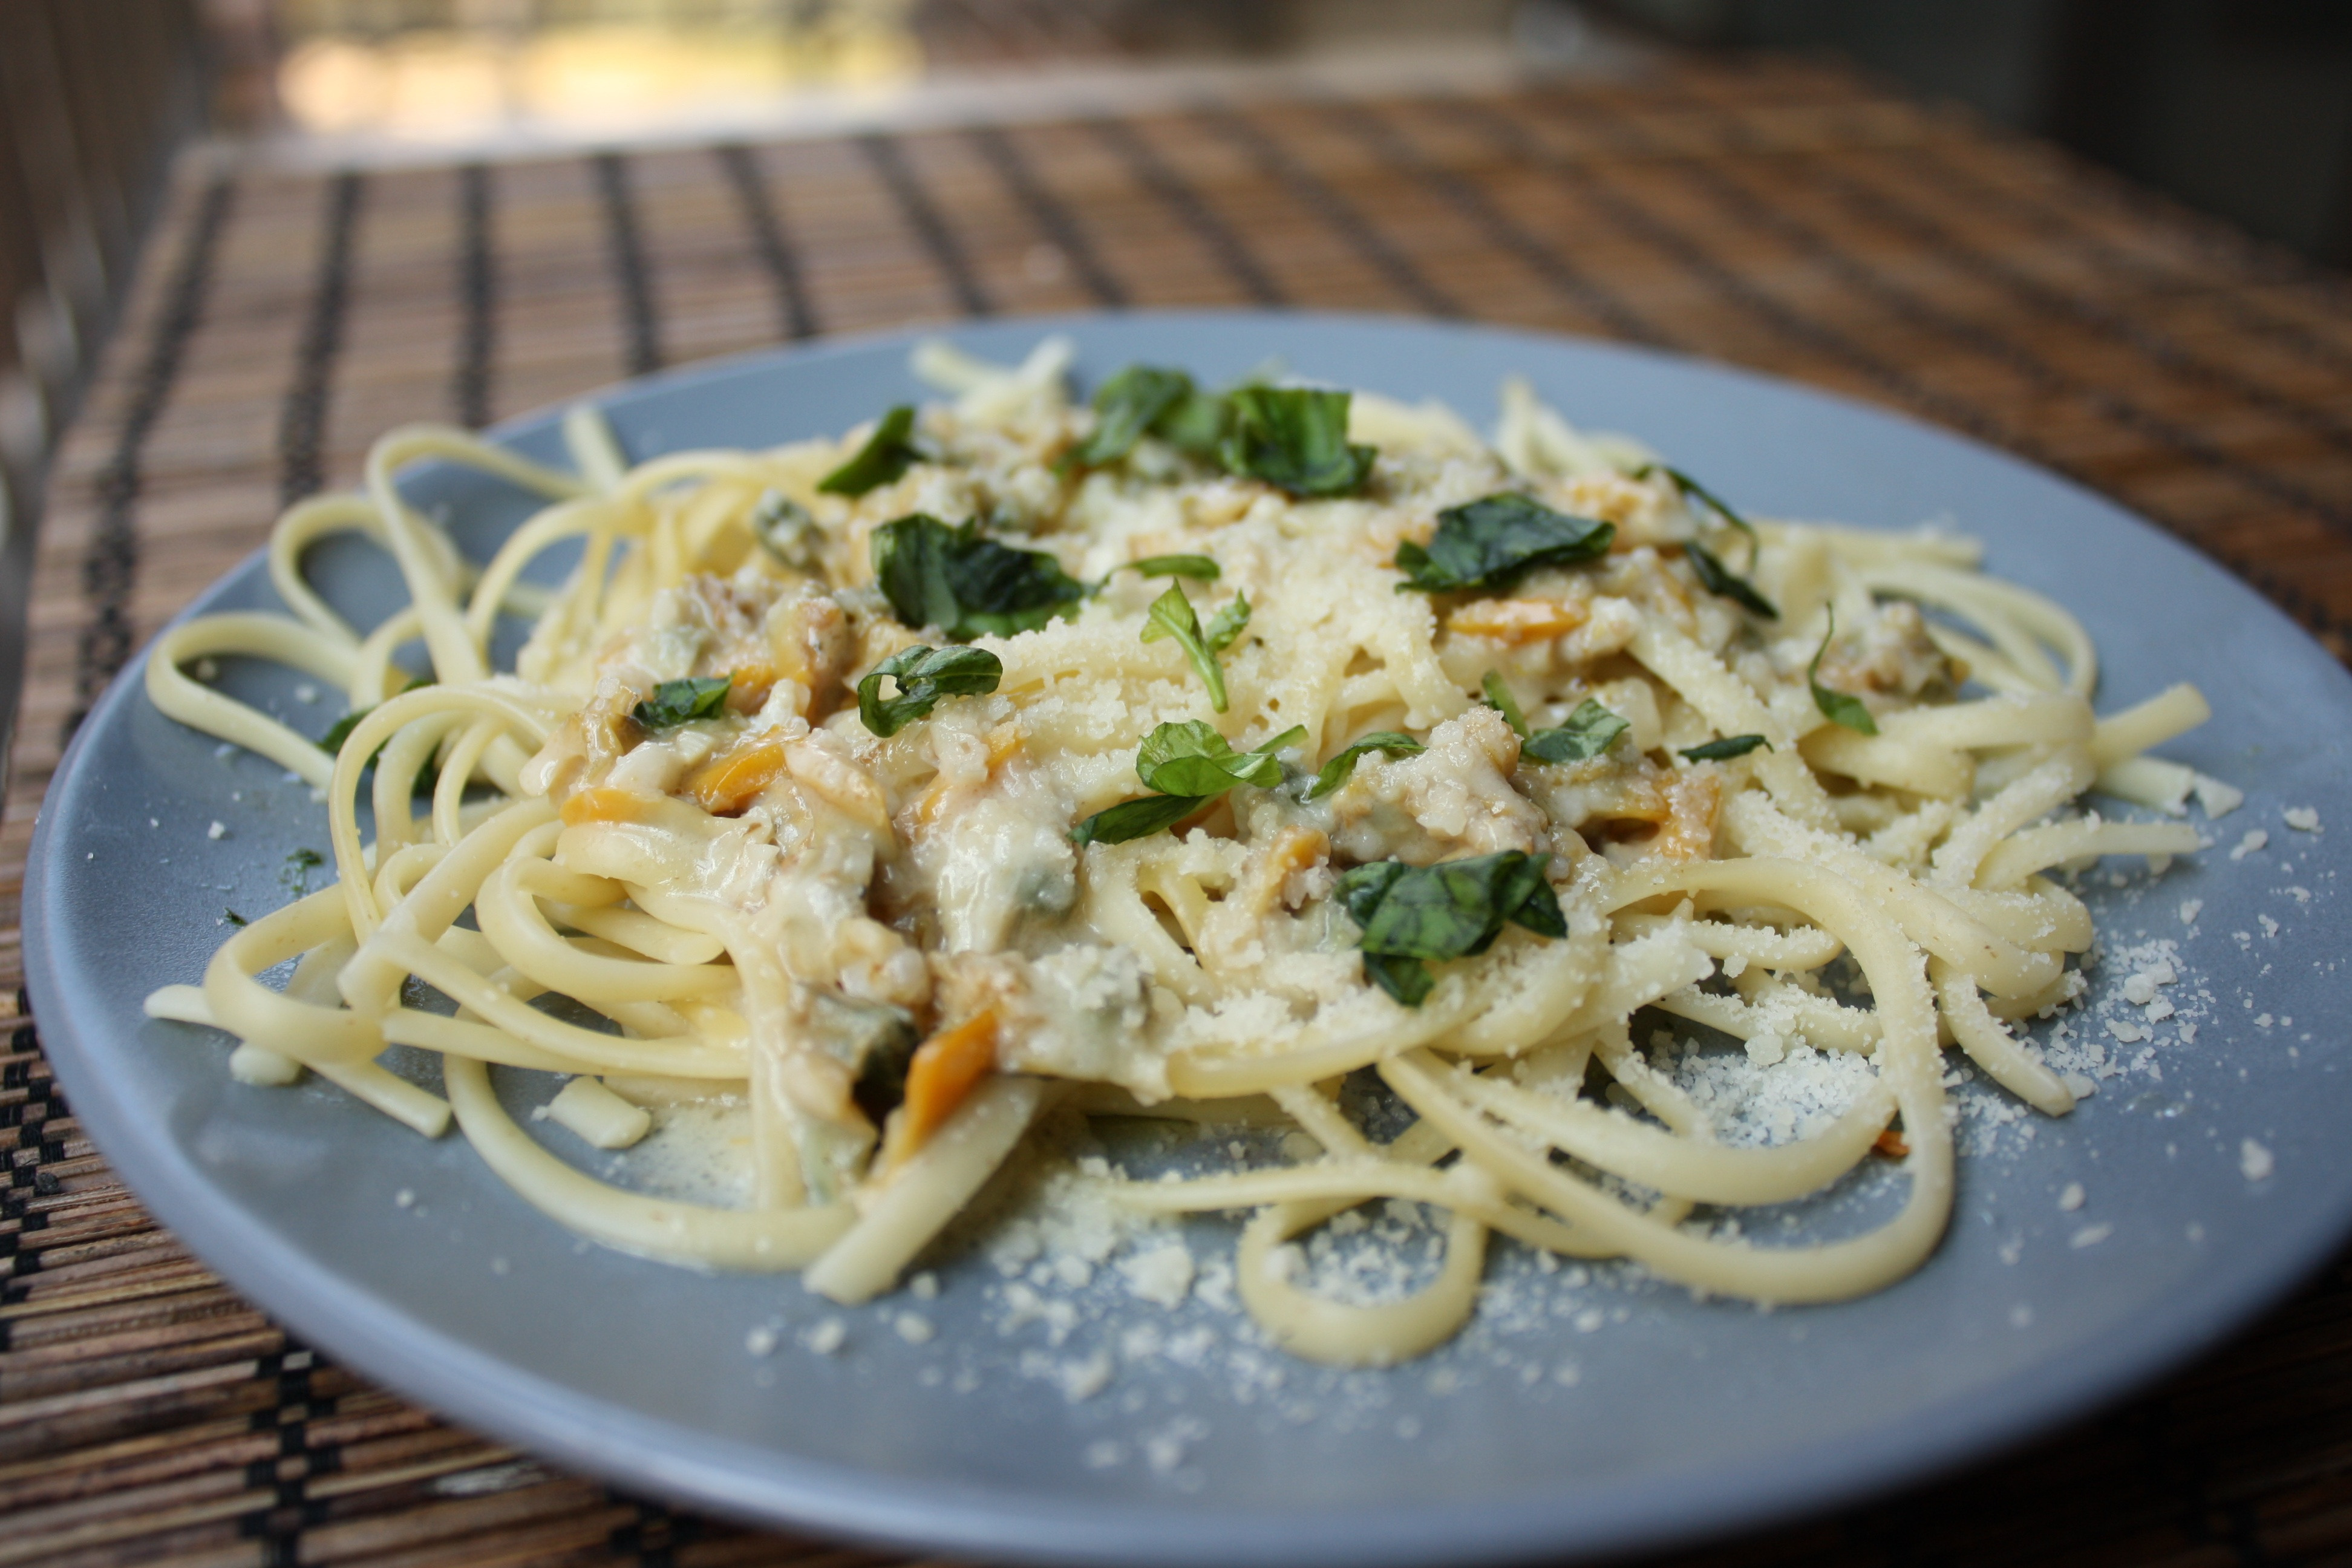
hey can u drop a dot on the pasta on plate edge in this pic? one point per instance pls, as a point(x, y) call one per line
point(1251, 739)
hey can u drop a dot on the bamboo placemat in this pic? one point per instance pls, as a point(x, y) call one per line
point(1782, 216)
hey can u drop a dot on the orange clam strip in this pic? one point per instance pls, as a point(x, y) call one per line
point(941, 1075)
point(1298, 849)
point(726, 784)
point(1692, 801)
point(748, 686)
point(1517, 620)
point(605, 803)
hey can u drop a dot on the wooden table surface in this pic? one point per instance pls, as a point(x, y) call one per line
point(1783, 216)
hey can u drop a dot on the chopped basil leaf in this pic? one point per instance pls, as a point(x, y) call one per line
point(1500, 698)
point(1411, 915)
point(1406, 979)
point(924, 675)
point(1295, 439)
point(1589, 731)
point(331, 743)
point(1126, 406)
point(1390, 742)
point(887, 454)
point(1227, 624)
point(1135, 819)
point(1191, 764)
point(296, 874)
point(1487, 543)
point(968, 586)
point(676, 702)
point(1837, 707)
point(1198, 567)
point(785, 530)
point(1192, 758)
point(1721, 581)
point(1195, 423)
point(1173, 617)
point(1723, 751)
point(231, 916)
point(1690, 486)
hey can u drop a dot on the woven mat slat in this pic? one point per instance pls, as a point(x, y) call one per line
point(1780, 215)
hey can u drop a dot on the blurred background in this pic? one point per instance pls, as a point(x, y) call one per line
point(2240, 108)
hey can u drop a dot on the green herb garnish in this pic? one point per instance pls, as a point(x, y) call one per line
point(887, 455)
point(968, 586)
point(1589, 731)
point(1723, 751)
point(1295, 438)
point(1414, 915)
point(1837, 706)
point(1227, 624)
point(1173, 617)
point(232, 916)
point(1720, 580)
point(1192, 758)
point(1390, 742)
point(1190, 763)
point(331, 743)
point(1200, 568)
point(1689, 487)
point(1713, 574)
point(1487, 543)
point(298, 868)
point(924, 675)
point(1196, 424)
point(1500, 698)
point(1126, 406)
point(676, 702)
point(1135, 819)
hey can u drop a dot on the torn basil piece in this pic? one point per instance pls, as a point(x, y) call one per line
point(1589, 731)
point(1135, 819)
point(1227, 624)
point(676, 702)
point(1837, 707)
point(1200, 568)
point(924, 675)
point(1126, 406)
point(1295, 438)
point(1500, 698)
point(1485, 543)
point(1721, 581)
point(1688, 488)
point(1173, 617)
point(1389, 743)
point(1195, 423)
point(1191, 764)
point(1192, 758)
point(1413, 915)
point(887, 454)
point(1725, 749)
point(966, 585)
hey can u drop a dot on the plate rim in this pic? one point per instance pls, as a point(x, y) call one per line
point(758, 1486)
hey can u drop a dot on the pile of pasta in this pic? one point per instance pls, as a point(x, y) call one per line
point(826, 780)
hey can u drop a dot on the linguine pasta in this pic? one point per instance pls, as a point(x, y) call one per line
point(1180, 755)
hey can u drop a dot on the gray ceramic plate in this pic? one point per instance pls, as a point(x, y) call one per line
point(1581, 1415)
